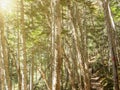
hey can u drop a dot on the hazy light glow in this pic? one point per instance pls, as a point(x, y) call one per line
point(6, 5)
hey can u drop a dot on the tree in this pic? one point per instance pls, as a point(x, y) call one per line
point(59, 44)
point(112, 40)
point(5, 54)
point(56, 44)
point(23, 40)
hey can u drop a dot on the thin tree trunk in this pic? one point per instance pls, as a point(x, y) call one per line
point(4, 54)
point(18, 62)
point(44, 78)
point(0, 66)
point(80, 53)
point(1, 71)
point(56, 44)
point(32, 57)
point(32, 70)
point(112, 40)
point(18, 53)
point(24, 61)
point(84, 51)
point(67, 64)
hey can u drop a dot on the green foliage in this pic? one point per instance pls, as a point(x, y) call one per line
point(38, 30)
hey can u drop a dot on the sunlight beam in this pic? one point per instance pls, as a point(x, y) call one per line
point(6, 5)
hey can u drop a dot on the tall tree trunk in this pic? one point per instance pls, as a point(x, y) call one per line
point(84, 50)
point(18, 62)
point(24, 61)
point(32, 57)
point(112, 40)
point(18, 51)
point(4, 54)
point(32, 70)
point(56, 44)
point(1, 69)
point(80, 49)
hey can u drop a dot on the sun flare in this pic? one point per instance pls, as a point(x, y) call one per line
point(6, 5)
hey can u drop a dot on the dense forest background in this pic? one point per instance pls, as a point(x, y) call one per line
point(59, 44)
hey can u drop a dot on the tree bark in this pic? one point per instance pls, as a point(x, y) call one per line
point(56, 44)
point(4, 54)
point(23, 40)
point(112, 40)
point(18, 52)
point(81, 52)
